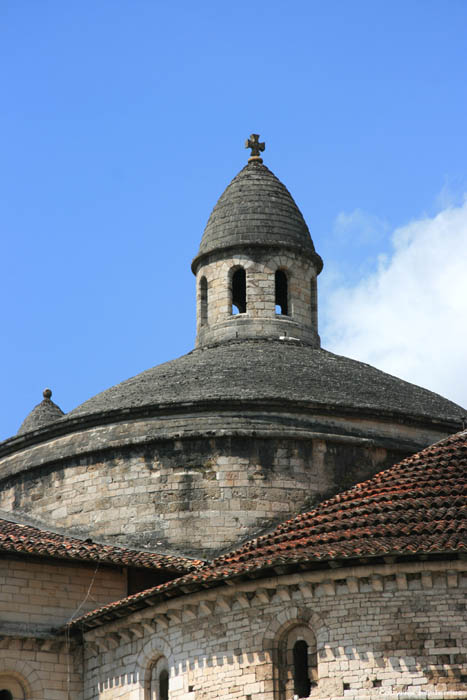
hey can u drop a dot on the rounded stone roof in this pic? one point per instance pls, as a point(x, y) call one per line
point(272, 370)
point(44, 413)
point(256, 209)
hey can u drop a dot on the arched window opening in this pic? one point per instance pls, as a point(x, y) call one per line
point(239, 291)
point(203, 297)
point(314, 303)
point(157, 684)
point(11, 687)
point(301, 681)
point(297, 662)
point(164, 685)
point(282, 293)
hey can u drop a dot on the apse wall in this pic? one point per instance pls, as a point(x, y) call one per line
point(198, 483)
point(394, 631)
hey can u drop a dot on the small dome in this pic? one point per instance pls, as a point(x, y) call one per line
point(256, 209)
point(44, 413)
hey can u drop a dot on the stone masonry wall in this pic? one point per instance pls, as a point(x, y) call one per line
point(260, 319)
point(382, 631)
point(37, 596)
point(41, 669)
point(194, 495)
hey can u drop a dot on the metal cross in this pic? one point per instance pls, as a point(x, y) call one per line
point(255, 145)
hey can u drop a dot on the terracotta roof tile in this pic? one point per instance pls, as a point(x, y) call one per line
point(24, 539)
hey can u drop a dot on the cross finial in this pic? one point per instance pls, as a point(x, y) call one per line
point(256, 148)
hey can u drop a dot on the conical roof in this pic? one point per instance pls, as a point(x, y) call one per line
point(44, 413)
point(256, 209)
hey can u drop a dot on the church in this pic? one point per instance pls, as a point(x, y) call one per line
point(258, 519)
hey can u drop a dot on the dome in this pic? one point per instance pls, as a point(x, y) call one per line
point(256, 209)
point(256, 424)
point(271, 370)
point(41, 415)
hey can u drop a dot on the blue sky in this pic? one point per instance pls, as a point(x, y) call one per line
point(122, 123)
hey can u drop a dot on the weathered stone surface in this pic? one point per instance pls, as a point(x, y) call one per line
point(43, 414)
point(272, 370)
point(196, 496)
point(370, 643)
point(256, 209)
point(217, 323)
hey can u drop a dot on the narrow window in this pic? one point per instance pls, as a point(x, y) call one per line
point(282, 306)
point(314, 303)
point(157, 687)
point(164, 685)
point(239, 291)
point(301, 681)
point(297, 662)
point(5, 695)
point(203, 297)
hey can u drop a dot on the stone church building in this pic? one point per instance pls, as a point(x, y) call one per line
point(258, 519)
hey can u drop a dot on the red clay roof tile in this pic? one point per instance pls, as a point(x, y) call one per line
point(26, 540)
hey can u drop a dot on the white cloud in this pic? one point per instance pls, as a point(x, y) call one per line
point(360, 227)
point(409, 317)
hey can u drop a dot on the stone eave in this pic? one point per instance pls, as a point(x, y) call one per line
point(221, 252)
point(68, 425)
point(276, 571)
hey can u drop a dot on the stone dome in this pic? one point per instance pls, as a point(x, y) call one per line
point(41, 415)
point(272, 371)
point(256, 209)
point(256, 424)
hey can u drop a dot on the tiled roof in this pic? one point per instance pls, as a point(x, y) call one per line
point(416, 507)
point(24, 539)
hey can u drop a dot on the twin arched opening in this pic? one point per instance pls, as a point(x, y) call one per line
point(238, 294)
